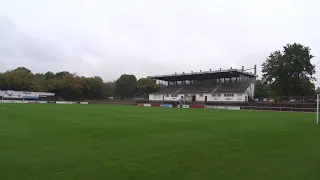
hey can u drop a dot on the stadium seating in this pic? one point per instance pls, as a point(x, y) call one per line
point(170, 89)
point(198, 88)
point(232, 87)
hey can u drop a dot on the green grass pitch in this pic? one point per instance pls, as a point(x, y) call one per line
point(90, 142)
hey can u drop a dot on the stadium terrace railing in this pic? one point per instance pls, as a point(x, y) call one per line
point(288, 109)
point(291, 99)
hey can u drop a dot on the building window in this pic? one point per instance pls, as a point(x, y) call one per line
point(200, 95)
point(174, 95)
point(228, 95)
point(216, 95)
point(167, 95)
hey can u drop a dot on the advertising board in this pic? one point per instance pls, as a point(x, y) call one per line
point(166, 105)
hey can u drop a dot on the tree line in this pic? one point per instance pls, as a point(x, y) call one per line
point(70, 86)
point(287, 72)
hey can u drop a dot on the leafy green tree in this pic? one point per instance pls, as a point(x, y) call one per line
point(261, 90)
point(24, 69)
point(21, 80)
point(94, 87)
point(68, 86)
point(41, 81)
point(3, 84)
point(289, 72)
point(49, 75)
point(306, 87)
point(61, 74)
point(145, 86)
point(109, 89)
point(125, 86)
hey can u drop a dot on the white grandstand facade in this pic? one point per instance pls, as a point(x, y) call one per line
point(232, 85)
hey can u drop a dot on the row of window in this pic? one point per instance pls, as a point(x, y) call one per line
point(200, 95)
point(228, 95)
point(216, 95)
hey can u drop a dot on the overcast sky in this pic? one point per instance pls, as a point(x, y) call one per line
point(110, 37)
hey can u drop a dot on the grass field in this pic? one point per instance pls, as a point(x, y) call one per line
point(89, 142)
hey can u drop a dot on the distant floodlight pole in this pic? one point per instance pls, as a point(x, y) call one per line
point(317, 108)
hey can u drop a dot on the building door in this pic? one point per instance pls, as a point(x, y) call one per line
point(205, 98)
point(193, 98)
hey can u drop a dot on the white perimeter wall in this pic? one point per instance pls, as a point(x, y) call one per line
point(163, 97)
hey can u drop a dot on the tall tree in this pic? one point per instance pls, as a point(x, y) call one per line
point(109, 89)
point(61, 74)
point(21, 79)
point(288, 71)
point(68, 86)
point(24, 69)
point(125, 86)
point(261, 90)
point(49, 75)
point(3, 84)
point(145, 86)
point(94, 88)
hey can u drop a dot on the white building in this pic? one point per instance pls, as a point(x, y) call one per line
point(231, 85)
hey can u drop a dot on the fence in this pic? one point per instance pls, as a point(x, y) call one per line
point(225, 107)
point(290, 99)
point(290, 109)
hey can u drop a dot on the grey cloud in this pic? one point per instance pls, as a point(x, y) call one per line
point(107, 38)
point(15, 44)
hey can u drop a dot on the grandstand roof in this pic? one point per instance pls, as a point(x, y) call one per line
point(205, 75)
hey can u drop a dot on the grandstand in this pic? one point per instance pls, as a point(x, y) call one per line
point(232, 85)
